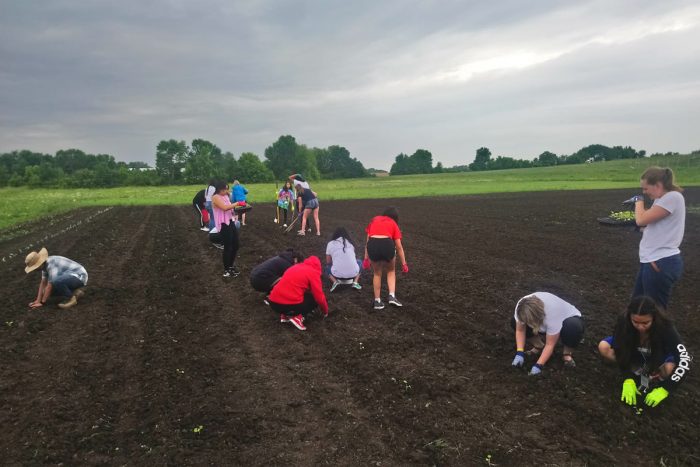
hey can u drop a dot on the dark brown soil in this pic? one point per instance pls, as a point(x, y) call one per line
point(164, 362)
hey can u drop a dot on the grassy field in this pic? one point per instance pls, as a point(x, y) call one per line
point(18, 205)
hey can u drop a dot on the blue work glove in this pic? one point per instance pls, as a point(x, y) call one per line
point(535, 370)
point(634, 199)
point(519, 360)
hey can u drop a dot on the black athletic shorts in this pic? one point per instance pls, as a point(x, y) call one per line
point(381, 249)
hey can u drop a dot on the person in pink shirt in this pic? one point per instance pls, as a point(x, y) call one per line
point(226, 222)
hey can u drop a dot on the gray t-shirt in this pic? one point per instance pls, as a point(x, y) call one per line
point(556, 310)
point(344, 262)
point(662, 238)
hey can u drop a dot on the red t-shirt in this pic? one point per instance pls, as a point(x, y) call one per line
point(383, 225)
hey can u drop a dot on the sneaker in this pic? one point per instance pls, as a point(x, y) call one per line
point(204, 229)
point(298, 321)
point(394, 301)
point(233, 271)
point(69, 303)
point(227, 273)
point(301, 233)
point(309, 229)
point(378, 304)
point(266, 301)
point(356, 285)
point(284, 318)
point(284, 225)
point(334, 285)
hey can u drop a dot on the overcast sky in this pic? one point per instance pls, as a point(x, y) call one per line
point(378, 77)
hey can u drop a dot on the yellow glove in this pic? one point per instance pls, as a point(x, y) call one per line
point(655, 397)
point(629, 392)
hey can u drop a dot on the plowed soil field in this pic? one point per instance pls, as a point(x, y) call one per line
point(164, 362)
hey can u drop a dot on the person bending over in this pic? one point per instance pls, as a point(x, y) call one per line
point(60, 276)
point(341, 263)
point(382, 246)
point(299, 292)
point(544, 314)
point(198, 203)
point(647, 348)
point(265, 275)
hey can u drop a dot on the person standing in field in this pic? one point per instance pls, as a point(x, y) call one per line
point(226, 221)
point(661, 265)
point(382, 246)
point(199, 205)
point(210, 191)
point(341, 263)
point(544, 314)
point(238, 195)
point(285, 198)
point(649, 351)
point(60, 277)
point(310, 204)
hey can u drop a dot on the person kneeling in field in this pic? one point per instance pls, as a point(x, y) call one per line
point(265, 275)
point(342, 266)
point(299, 292)
point(544, 314)
point(59, 276)
point(382, 247)
point(648, 349)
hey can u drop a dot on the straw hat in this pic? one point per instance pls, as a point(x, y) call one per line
point(34, 260)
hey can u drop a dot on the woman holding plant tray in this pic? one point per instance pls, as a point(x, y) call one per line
point(660, 259)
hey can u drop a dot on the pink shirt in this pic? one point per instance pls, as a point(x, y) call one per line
point(221, 216)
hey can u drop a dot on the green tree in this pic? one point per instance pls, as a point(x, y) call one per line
point(252, 170)
point(547, 158)
point(481, 161)
point(171, 156)
point(335, 162)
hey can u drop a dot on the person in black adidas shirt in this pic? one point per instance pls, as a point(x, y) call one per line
point(649, 351)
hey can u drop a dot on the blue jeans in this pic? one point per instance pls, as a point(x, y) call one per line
point(658, 284)
point(208, 207)
point(65, 284)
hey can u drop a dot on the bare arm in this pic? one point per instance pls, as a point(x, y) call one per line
point(216, 201)
point(548, 350)
point(43, 294)
point(399, 251)
point(645, 217)
point(520, 332)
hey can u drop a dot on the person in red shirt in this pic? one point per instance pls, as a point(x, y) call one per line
point(299, 292)
point(382, 247)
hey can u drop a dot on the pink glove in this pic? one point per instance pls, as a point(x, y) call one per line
point(365, 263)
point(404, 268)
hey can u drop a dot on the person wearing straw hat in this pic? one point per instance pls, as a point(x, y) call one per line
point(60, 276)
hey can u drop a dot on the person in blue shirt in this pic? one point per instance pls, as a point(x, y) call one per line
point(238, 195)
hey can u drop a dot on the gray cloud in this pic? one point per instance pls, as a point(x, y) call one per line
point(377, 77)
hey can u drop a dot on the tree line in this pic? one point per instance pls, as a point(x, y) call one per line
point(176, 162)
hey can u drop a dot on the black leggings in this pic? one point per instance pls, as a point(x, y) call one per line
point(571, 331)
point(199, 214)
point(229, 237)
point(285, 215)
point(303, 308)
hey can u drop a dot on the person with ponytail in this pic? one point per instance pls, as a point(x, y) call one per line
point(647, 348)
point(661, 265)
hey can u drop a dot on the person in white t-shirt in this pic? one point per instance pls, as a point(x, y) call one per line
point(542, 313)
point(661, 265)
point(341, 262)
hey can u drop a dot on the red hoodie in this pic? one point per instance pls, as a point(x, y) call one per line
point(297, 280)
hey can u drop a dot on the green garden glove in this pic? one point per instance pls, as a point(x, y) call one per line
point(629, 392)
point(655, 397)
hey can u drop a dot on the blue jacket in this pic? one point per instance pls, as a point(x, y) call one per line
point(238, 193)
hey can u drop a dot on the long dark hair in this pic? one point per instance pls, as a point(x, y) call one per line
point(341, 232)
point(392, 212)
point(627, 337)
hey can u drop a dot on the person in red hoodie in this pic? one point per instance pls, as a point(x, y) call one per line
point(299, 292)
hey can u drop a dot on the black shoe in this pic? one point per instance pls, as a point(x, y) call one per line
point(378, 304)
point(394, 301)
point(233, 271)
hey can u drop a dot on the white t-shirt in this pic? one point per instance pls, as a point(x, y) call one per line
point(662, 238)
point(556, 311)
point(344, 263)
point(209, 193)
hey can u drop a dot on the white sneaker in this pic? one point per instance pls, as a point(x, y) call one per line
point(204, 229)
point(284, 225)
